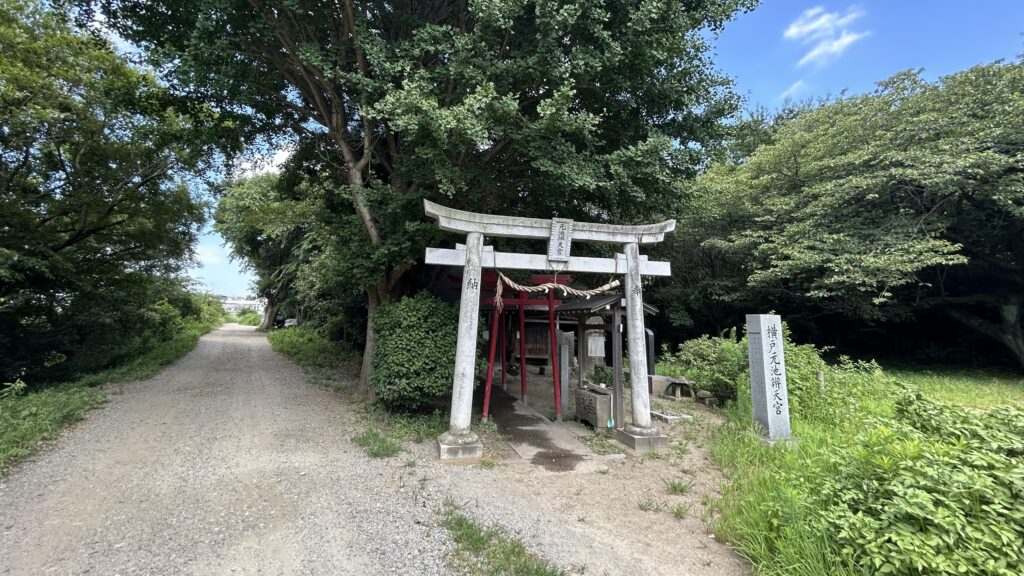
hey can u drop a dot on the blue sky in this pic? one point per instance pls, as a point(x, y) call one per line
point(789, 48)
point(808, 49)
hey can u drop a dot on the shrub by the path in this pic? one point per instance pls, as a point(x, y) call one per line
point(414, 355)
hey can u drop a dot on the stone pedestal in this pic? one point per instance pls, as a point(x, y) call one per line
point(642, 439)
point(464, 448)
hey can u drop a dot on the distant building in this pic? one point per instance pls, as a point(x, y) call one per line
point(233, 304)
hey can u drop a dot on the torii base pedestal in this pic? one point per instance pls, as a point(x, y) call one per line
point(642, 439)
point(459, 449)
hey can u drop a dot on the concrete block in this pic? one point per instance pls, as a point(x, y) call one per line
point(459, 449)
point(642, 440)
point(671, 417)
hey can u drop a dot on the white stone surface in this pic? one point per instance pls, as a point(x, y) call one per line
point(768, 375)
point(635, 337)
point(465, 348)
point(454, 220)
point(516, 261)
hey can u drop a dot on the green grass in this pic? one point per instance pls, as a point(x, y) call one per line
point(651, 505)
point(152, 361)
point(484, 551)
point(678, 486)
point(770, 510)
point(966, 387)
point(376, 444)
point(249, 319)
point(28, 419)
point(681, 511)
point(600, 444)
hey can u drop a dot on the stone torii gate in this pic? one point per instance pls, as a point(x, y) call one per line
point(460, 443)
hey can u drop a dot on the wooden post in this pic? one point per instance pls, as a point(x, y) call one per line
point(522, 351)
point(581, 349)
point(490, 363)
point(552, 330)
point(503, 331)
point(620, 406)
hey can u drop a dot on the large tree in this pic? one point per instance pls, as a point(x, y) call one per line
point(589, 108)
point(882, 205)
point(94, 215)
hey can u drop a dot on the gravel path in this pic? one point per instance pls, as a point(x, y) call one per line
point(227, 462)
point(231, 461)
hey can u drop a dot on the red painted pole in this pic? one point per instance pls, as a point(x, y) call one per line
point(522, 350)
point(554, 355)
point(490, 363)
point(504, 349)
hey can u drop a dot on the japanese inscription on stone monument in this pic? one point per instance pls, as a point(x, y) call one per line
point(768, 374)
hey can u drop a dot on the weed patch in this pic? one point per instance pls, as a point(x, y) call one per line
point(489, 551)
point(600, 444)
point(678, 486)
point(376, 444)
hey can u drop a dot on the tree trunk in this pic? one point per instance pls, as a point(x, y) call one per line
point(1009, 331)
point(372, 303)
point(269, 313)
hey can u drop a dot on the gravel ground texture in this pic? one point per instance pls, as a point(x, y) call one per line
point(231, 461)
point(227, 462)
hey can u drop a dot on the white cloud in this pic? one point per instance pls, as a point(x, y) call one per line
point(210, 255)
point(829, 32)
point(266, 163)
point(793, 90)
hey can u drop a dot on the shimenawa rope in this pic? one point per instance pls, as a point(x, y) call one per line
point(566, 290)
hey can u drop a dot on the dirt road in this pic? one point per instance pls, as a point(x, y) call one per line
point(231, 462)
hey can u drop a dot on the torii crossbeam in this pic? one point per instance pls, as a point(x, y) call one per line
point(459, 443)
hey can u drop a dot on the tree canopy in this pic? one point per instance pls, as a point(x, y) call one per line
point(586, 109)
point(882, 205)
point(94, 215)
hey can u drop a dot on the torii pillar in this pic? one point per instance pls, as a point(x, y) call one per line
point(460, 443)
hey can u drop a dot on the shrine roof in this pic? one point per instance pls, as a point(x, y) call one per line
point(599, 305)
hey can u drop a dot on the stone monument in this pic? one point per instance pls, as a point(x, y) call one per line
point(768, 375)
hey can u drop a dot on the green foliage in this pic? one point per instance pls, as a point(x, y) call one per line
point(308, 347)
point(414, 359)
point(414, 427)
point(875, 207)
point(886, 482)
point(961, 386)
point(27, 419)
point(250, 318)
point(97, 217)
point(376, 444)
point(712, 363)
point(593, 110)
point(936, 490)
point(676, 486)
point(490, 551)
point(720, 365)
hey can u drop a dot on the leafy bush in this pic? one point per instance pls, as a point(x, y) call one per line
point(308, 347)
point(936, 490)
point(714, 364)
point(249, 318)
point(27, 419)
point(414, 356)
